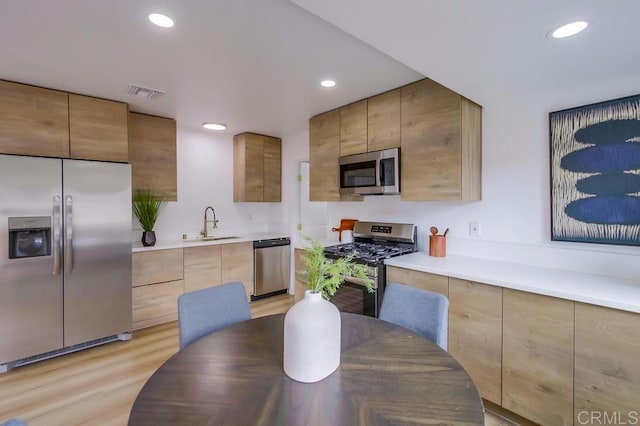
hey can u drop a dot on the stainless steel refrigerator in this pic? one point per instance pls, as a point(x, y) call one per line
point(65, 256)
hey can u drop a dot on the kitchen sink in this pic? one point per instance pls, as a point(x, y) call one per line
point(200, 239)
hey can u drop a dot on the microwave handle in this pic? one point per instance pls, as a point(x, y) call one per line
point(379, 172)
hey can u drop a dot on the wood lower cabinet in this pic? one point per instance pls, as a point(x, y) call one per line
point(607, 364)
point(441, 144)
point(152, 154)
point(537, 357)
point(475, 334)
point(257, 165)
point(202, 267)
point(353, 128)
point(98, 129)
point(424, 280)
point(237, 264)
point(157, 283)
point(207, 266)
point(383, 121)
point(33, 120)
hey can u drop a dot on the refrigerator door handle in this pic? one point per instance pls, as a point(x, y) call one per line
point(68, 232)
point(56, 235)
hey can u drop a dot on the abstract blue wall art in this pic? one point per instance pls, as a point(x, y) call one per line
point(595, 173)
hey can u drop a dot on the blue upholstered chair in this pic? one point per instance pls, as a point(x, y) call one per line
point(204, 311)
point(14, 422)
point(421, 311)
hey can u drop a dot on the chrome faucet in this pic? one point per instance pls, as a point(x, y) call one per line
point(205, 232)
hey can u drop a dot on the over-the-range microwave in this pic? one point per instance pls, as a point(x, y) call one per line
point(370, 173)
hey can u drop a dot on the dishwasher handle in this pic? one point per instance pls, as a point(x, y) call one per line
point(274, 242)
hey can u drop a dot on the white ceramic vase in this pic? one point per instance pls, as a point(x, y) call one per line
point(311, 339)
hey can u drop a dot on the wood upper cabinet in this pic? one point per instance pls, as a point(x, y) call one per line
point(324, 153)
point(98, 129)
point(475, 334)
point(607, 377)
point(441, 144)
point(33, 121)
point(383, 121)
point(537, 357)
point(257, 168)
point(152, 154)
point(353, 128)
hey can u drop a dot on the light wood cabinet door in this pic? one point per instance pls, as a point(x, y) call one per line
point(537, 357)
point(324, 153)
point(152, 154)
point(237, 265)
point(155, 303)
point(202, 267)
point(607, 364)
point(424, 280)
point(475, 334)
point(98, 129)
point(257, 164)
point(435, 164)
point(272, 189)
point(33, 121)
point(383, 121)
point(154, 266)
point(353, 128)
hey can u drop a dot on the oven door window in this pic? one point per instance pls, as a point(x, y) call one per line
point(358, 175)
point(355, 299)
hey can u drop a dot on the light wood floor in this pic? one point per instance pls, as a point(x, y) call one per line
point(98, 386)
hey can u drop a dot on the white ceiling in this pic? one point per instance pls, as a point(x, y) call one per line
point(256, 64)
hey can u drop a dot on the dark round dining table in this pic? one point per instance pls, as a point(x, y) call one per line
point(387, 376)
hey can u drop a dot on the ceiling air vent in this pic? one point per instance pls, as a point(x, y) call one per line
point(143, 92)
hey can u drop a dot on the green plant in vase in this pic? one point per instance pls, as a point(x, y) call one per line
point(326, 276)
point(146, 206)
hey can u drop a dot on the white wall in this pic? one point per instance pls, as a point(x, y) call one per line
point(515, 209)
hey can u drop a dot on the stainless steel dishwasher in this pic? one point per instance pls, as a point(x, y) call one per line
point(271, 267)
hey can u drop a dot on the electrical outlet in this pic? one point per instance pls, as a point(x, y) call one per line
point(474, 228)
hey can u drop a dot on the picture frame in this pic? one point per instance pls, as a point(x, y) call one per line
point(595, 172)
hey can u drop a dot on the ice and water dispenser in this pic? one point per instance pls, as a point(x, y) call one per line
point(29, 236)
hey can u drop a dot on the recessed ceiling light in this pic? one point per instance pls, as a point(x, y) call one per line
point(569, 29)
point(327, 83)
point(161, 20)
point(214, 126)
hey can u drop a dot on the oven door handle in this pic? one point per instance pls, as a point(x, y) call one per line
point(358, 281)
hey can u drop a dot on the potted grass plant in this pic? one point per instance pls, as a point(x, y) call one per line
point(312, 326)
point(146, 206)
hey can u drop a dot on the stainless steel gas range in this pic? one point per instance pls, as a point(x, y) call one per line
point(373, 243)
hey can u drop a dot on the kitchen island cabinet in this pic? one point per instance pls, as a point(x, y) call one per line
point(561, 358)
point(152, 154)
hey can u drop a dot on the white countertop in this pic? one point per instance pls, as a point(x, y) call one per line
point(599, 290)
point(241, 238)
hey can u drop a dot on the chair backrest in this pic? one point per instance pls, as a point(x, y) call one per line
point(421, 311)
point(204, 311)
